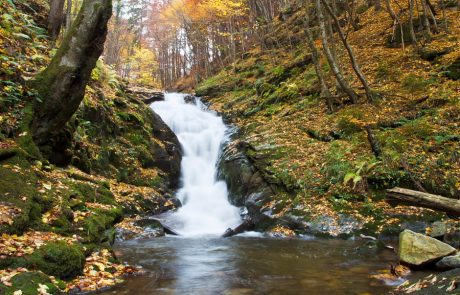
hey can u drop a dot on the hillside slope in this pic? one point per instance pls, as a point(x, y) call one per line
point(327, 174)
point(115, 158)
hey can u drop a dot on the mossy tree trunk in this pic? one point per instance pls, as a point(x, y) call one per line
point(61, 86)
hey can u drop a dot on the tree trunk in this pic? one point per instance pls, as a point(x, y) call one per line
point(425, 200)
point(426, 21)
point(330, 58)
point(373, 142)
point(446, 24)
point(55, 18)
point(61, 86)
point(354, 63)
point(431, 13)
point(411, 22)
point(325, 93)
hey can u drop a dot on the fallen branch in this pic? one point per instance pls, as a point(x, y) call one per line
point(420, 199)
point(247, 225)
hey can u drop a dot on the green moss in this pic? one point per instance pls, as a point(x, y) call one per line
point(59, 259)
point(25, 140)
point(93, 193)
point(18, 188)
point(420, 128)
point(29, 282)
point(413, 83)
point(95, 225)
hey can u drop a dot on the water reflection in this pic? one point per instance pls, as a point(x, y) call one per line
point(252, 266)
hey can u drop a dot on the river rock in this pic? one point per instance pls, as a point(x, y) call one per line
point(438, 229)
point(153, 226)
point(147, 95)
point(418, 250)
point(449, 262)
point(452, 236)
point(190, 99)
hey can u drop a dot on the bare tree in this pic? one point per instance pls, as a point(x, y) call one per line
point(351, 54)
point(330, 58)
point(325, 93)
point(411, 22)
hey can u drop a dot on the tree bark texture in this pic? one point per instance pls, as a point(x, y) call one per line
point(61, 86)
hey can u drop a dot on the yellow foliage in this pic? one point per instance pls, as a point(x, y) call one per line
point(143, 66)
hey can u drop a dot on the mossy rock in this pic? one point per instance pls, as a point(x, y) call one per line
point(13, 187)
point(59, 259)
point(95, 225)
point(431, 53)
point(453, 71)
point(29, 282)
point(89, 193)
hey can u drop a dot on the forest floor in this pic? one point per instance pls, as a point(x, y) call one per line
point(324, 162)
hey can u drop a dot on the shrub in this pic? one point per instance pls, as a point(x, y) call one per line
point(385, 71)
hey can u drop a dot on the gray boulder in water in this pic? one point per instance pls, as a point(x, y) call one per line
point(190, 99)
point(418, 250)
point(449, 262)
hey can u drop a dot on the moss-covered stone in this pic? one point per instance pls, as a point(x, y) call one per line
point(30, 282)
point(453, 70)
point(96, 225)
point(59, 259)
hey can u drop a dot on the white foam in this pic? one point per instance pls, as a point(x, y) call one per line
point(206, 209)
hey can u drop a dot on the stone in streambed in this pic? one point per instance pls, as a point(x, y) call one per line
point(438, 229)
point(418, 250)
point(449, 262)
point(190, 99)
point(154, 227)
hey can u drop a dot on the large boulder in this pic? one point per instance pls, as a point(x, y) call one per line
point(418, 250)
point(146, 95)
point(167, 159)
point(246, 185)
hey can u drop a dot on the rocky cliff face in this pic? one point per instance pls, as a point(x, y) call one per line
point(247, 187)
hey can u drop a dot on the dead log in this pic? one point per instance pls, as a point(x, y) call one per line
point(408, 197)
point(247, 225)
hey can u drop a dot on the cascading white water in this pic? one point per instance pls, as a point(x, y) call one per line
point(206, 209)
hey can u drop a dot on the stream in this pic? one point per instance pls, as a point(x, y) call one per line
point(200, 262)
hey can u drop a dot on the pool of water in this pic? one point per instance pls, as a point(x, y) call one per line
point(252, 265)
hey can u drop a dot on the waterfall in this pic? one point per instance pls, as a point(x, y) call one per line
point(205, 207)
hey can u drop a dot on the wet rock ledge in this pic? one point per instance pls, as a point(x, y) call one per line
point(246, 185)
